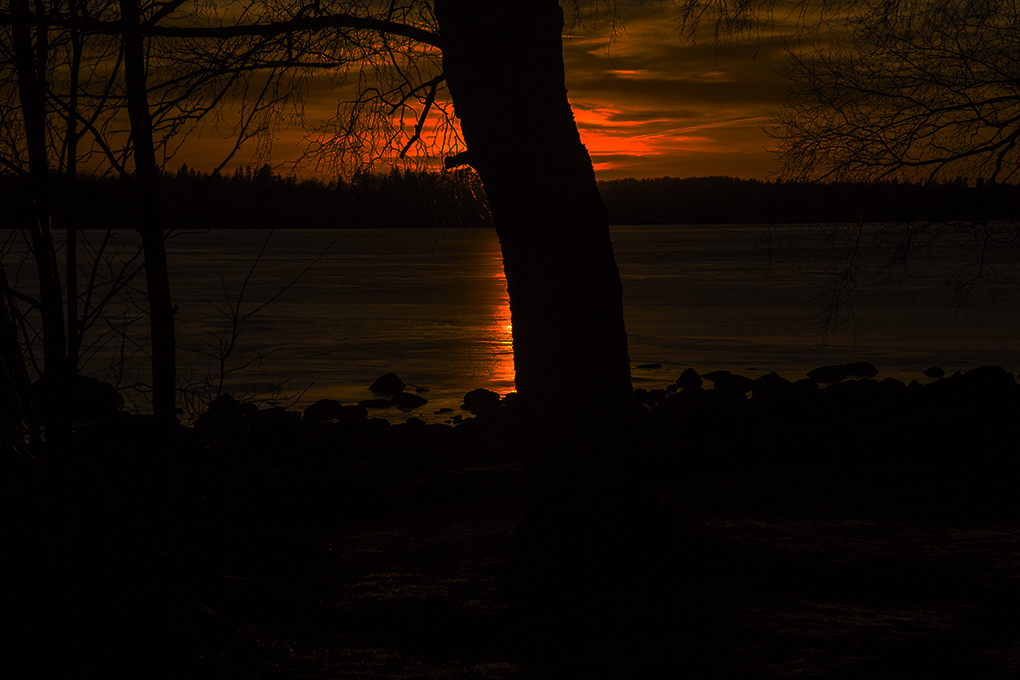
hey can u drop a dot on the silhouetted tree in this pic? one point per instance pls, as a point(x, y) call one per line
point(921, 91)
point(504, 66)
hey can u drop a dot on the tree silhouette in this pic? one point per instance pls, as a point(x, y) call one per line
point(505, 70)
point(922, 92)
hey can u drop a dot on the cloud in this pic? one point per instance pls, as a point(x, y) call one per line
point(646, 103)
point(649, 104)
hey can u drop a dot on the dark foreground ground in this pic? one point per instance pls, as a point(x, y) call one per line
point(866, 530)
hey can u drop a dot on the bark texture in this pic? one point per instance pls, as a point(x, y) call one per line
point(504, 67)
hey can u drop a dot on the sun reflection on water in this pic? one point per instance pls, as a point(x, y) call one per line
point(500, 337)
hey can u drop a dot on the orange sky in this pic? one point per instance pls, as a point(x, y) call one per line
point(647, 104)
point(650, 104)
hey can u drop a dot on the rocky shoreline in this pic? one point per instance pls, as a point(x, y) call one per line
point(861, 529)
point(847, 393)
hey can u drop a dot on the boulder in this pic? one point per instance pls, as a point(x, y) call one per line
point(989, 383)
point(829, 374)
point(862, 369)
point(353, 412)
point(892, 385)
point(730, 382)
point(388, 384)
point(481, 399)
point(91, 399)
point(375, 403)
point(323, 410)
point(772, 386)
point(934, 372)
point(837, 372)
point(407, 400)
point(275, 420)
point(226, 415)
point(653, 397)
point(689, 379)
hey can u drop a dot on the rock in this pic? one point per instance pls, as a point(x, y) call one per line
point(934, 372)
point(375, 403)
point(829, 374)
point(689, 379)
point(353, 412)
point(989, 383)
point(648, 366)
point(388, 384)
point(653, 397)
point(407, 400)
point(730, 382)
point(806, 386)
point(481, 399)
point(772, 386)
point(862, 369)
point(226, 415)
point(690, 396)
point(893, 385)
point(323, 410)
point(443, 410)
point(837, 372)
point(91, 399)
point(275, 418)
point(414, 422)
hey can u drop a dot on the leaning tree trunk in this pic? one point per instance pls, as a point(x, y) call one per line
point(504, 67)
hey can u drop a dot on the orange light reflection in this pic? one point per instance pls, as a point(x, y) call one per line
point(501, 367)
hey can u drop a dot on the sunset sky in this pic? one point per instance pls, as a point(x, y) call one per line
point(647, 104)
point(650, 104)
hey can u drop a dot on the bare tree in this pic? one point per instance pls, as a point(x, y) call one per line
point(920, 92)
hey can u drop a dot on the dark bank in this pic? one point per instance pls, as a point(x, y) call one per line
point(833, 526)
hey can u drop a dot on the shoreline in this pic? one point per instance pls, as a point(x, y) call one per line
point(864, 529)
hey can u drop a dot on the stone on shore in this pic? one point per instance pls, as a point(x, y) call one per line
point(773, 386)
point(388, 384)
point(934, 372)
point(481, 399)
point(689, 379)
point(323, 410)
point(407, 400)
point(837, 372)
point(990, 383)
point(730, 382)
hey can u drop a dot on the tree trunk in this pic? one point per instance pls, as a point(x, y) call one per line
point(504, 67)
point(161, 315)
point(161, 311)
point(31, 63)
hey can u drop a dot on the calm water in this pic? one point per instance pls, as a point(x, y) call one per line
point(431, 306)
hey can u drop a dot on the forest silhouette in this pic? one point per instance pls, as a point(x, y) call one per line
point(262, 198)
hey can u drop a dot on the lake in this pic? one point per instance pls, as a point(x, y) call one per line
point(431, 305)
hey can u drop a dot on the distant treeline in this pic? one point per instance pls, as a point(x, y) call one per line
point(260, 198)
point(728, 200)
